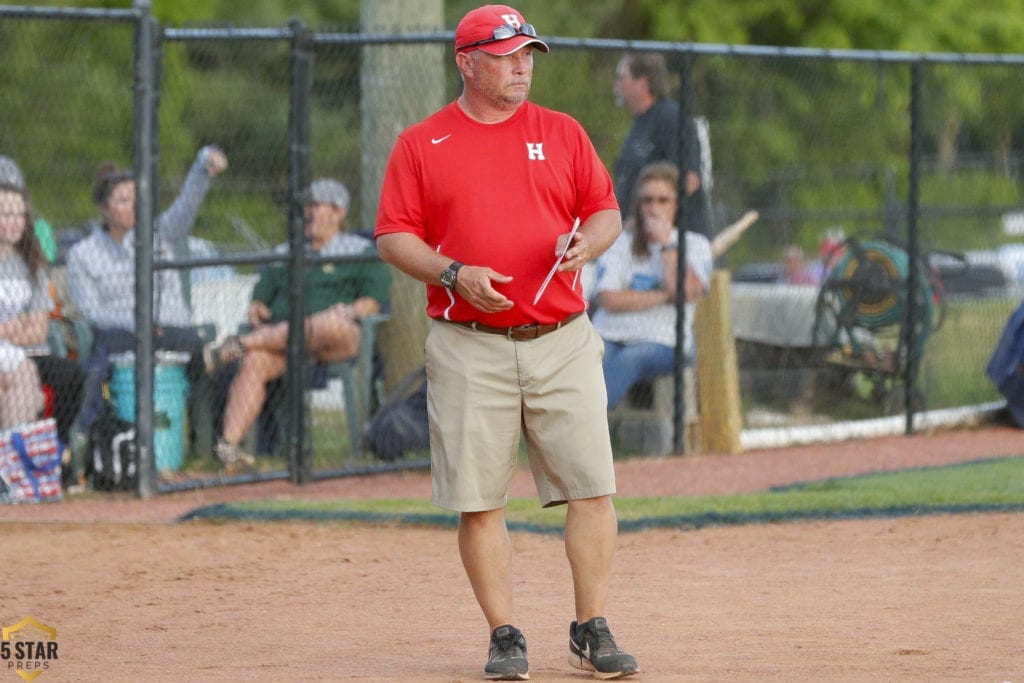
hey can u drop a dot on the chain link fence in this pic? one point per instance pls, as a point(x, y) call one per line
point(884, 262)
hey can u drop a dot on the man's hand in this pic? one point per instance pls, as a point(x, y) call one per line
point(362, 307)
point(692, 182)
point(474, 285)
point(346, 312)
point(258, 313)
point(578, 254)
point(591, 240)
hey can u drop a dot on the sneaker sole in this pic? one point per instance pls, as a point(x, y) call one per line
point(507, 677)
point(585, 665)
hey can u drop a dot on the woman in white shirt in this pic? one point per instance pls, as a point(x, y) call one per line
point(24, 310)
point(636, 286)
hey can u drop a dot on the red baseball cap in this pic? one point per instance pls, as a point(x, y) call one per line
point(496, 29)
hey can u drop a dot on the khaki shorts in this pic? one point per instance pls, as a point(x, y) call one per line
point(485, 390)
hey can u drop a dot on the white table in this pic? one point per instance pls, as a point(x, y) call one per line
point(774, 314)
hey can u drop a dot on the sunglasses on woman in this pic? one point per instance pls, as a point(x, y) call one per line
point(650, 199)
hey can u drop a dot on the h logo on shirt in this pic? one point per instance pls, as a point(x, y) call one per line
point(535, 150)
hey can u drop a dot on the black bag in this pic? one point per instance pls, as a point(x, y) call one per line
point(114, 463)
point(401, 425)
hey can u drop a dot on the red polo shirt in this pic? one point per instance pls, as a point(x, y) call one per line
point(496, 195)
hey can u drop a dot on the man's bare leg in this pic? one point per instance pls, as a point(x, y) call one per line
point(590, 533)
point(248, 391)
point(591, 528)
point(486, 552)
point(331, 336)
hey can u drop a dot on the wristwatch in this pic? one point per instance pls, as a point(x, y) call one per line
point(451, 275)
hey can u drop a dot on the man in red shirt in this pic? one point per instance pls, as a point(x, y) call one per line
point(480, 201)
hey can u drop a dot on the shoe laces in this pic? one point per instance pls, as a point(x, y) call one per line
point(605, 641)
point(511, 644)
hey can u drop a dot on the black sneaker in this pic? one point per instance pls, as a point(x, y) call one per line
point(592, 648)
point(506, 658)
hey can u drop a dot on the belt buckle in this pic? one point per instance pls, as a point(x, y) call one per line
point(512, 331)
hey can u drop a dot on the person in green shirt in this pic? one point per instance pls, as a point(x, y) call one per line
point(47, 242)
point(337, 297)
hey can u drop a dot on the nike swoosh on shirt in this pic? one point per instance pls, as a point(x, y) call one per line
point(437, 141)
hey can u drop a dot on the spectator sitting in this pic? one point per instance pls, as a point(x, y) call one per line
point(10, 175)
point(337, 296)
point(24, 305)
point(831, 252)
point(636, 290)
point(101, 273)
point(795, 270)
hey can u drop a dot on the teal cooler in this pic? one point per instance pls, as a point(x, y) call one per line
point(170, 389)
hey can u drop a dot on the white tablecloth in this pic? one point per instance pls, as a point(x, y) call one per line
point(775, 314)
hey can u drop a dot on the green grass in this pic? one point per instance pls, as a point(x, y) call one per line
point(996, 484)
point(953, 371)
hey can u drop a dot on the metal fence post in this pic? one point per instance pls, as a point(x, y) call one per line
point(144, 131)
point(685, 145)
point(913, 270)
point(298, 171)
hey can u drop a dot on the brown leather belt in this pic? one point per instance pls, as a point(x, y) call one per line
point(520, 332)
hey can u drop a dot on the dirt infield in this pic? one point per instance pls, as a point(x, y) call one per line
point(135, 597)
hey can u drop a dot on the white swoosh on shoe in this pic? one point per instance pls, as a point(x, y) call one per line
point(437, 141)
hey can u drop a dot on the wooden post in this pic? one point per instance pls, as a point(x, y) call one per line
point(718, 386)
point(400, 85)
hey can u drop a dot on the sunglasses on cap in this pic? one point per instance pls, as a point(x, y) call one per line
point(503, 32)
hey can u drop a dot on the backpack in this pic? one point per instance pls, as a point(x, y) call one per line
point(115, 460)
point(401, 424)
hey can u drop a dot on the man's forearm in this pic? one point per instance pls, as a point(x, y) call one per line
point(602, 229)
point(412, 256)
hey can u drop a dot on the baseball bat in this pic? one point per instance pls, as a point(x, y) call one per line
point(732, 233)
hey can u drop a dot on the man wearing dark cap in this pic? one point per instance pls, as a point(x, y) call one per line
point(496, 204)
point(338, 296)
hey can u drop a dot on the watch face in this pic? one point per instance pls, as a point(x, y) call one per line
point(450, 275)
